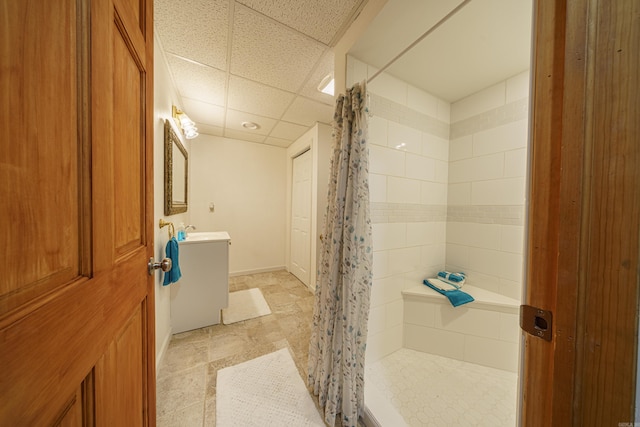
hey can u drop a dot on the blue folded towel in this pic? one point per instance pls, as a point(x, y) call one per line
point(453, 278)
point(174, 274)
point(455, 296)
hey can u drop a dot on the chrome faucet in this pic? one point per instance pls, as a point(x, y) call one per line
point(187, 228)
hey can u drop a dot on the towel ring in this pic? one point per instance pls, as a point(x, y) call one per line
point(172, 230)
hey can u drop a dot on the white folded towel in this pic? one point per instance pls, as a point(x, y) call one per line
point(442, 285)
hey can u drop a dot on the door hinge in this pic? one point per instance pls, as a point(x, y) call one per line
point(536, 321)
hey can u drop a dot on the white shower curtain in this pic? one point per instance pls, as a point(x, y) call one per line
point(341, 311)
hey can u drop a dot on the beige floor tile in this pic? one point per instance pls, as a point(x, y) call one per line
point(188, 372)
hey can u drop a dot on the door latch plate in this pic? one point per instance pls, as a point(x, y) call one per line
point(536, 322)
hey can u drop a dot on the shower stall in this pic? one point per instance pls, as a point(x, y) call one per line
point(447, 177)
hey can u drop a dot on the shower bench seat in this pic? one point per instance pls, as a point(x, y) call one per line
point(485, 331)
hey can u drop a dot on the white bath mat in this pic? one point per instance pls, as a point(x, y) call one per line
point(266, 391)
point(244, 305)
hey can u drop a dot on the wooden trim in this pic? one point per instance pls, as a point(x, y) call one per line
point(149, 304)
point(544, 203)
point(584, 216)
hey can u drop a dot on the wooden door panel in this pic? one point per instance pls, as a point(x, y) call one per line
point(120, 376)
point(76, 312)
point(39, 177)
point(128, 146)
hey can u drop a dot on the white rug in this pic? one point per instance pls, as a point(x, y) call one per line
point(244, 305)
point(266, 391)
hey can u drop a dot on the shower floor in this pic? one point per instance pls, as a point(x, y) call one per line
point(430, 390)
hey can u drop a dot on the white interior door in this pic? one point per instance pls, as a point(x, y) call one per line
point(301, 218)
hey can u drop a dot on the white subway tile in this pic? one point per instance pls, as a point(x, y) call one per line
point(501, 138)
point(480, 102)
point(388, 87)
point(435, 341)
point(394, 313)
point(518, 87)
point(421, 101)
point(393, 339)
point(457, 255)
point(442, 172)
point(474, 234)
point(377, 188)
point(404, 138)
point(433, 256)
point(388, 289)
point(477, 169)
point(419, 312)
point(374, 347)
point(512, 238)
point(389, 236)
point(376, 297)
point(425, 233)
point(377, 320)
point(508, 191)
point(468, 321)
point(419, 167)
point(461, 148)
point(511, 288)
point(482, 280)
point(403, 190)
point(380, 263)
point(444, 111)
point(515, 163)
point(404, 260)
point(435, 147)
point(459, 194)
point(493, 353)
point(509, 327)
point(386, 161)
point(433, 193)
point(378, 131)
point(502, 264)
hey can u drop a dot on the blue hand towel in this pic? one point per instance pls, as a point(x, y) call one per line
point(455, 296)
point(174, 274)
point(453, 278)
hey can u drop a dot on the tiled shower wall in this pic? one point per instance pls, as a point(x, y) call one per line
point(409, 153)
point(486, 194)
point(447, 190)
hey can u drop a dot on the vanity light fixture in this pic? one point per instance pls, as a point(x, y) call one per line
point(250, 125)
point(326, 85)
point(187, 125)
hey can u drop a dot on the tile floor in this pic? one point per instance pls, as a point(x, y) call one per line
point(430, 390)
point(186, 384)
point(449, 392)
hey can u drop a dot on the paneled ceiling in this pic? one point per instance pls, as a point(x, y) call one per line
point(261, 61)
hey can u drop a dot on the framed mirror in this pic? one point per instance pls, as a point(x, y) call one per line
point(175, 172)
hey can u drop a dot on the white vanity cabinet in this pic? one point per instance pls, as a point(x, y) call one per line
point(203, 291)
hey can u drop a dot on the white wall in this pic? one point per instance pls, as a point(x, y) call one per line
point(247, 184)
point(409, 151)
point(488, 160)
point(165, 96)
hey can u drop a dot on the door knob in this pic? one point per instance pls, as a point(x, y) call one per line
point(164, 265)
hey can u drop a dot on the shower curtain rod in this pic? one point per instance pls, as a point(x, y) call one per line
point(419, 39)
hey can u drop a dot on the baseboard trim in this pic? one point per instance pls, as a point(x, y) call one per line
point(257, 270)
point(163, 350)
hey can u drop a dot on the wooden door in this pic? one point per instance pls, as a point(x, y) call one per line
point(301, 218)
point(584, 213)
point(76, 302)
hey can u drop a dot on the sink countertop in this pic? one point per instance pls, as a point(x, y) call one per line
point(206, 236)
